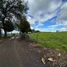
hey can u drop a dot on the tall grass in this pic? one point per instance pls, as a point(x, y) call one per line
point(56, 40)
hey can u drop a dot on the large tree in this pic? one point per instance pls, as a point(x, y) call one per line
point(10, 8)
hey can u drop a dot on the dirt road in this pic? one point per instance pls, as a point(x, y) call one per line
point(16, 53)
point(20, 53)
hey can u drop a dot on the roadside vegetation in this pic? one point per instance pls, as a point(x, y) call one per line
point(57, 40)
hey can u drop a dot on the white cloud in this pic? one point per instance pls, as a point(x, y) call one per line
point(62, 18)
point(63, 29)
point(58, 27)
point(31, 20)
point(43, 5)
point(54, 26)
point(46, 29)
point(63, 15)
point(42, 10)
point(51, 28)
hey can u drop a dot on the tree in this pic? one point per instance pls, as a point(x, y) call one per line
point(8, 26)
point(24, 26)
point(0, 28)
point(10, 8)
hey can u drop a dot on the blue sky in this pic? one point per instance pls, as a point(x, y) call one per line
point(48, 15)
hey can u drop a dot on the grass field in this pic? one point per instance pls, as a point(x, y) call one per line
point(57, 40)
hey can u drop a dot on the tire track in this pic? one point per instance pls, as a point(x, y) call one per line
point(17, 55)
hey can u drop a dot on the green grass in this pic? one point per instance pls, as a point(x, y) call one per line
point(51, 40)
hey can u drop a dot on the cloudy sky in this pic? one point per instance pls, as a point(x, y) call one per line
point(47, 15)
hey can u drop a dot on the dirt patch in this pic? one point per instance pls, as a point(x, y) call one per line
point(54, 58)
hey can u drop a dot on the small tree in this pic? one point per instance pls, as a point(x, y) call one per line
point(24, 26)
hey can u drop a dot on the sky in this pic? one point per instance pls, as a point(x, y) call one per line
point(47, 15)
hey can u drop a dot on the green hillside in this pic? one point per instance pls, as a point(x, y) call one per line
point(57, 40)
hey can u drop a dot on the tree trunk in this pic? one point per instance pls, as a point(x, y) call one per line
point(0, 32)
point(5, 33)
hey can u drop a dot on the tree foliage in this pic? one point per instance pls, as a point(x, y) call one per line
point(10, 8)
point(8, 26)
point(24, 25)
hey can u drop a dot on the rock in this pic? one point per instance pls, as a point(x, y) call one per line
point(59, 54)
point(43, 60)
point(51, 59)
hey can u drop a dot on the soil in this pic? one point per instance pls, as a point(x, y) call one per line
point(21, 53)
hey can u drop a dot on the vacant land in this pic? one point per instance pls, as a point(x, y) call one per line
point(51, 40)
